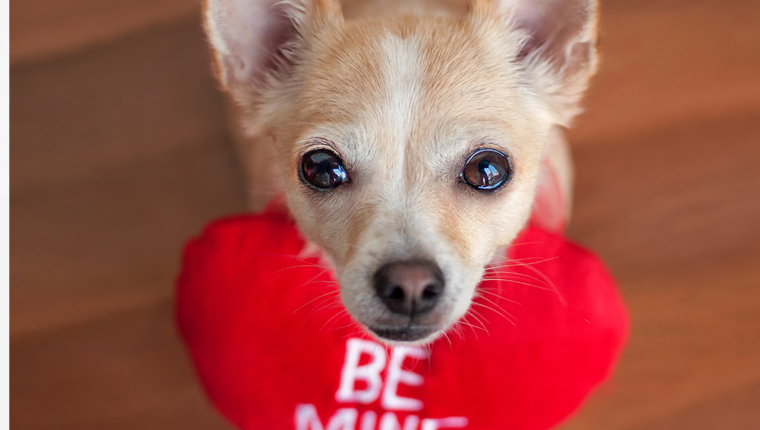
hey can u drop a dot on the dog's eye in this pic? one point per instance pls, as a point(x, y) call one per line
point(487, 170)
point(322, 169)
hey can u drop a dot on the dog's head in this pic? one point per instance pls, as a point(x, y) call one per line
point(409, 145)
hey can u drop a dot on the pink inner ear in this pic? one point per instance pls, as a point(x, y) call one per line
point(280, 32)
point(248, 37)
point(551, 24)
point(551, 206)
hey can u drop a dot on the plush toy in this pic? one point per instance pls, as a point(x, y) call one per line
point(274, 349)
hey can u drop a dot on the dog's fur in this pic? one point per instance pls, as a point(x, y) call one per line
point(404, 91)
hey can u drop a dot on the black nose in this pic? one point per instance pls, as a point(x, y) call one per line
point(409, 287)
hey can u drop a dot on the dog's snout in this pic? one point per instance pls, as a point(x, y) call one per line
point(409, 287)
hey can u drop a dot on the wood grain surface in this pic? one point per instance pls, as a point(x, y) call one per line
point(120, 151)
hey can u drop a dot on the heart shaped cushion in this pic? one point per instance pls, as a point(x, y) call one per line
point(274, 348)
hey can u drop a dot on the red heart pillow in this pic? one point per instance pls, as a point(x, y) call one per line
point(274, 348)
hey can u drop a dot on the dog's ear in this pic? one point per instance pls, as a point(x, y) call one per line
point(254, 41)
point(558, 50)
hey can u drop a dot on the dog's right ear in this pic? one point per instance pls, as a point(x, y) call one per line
point(254, 41)
point(558, 53)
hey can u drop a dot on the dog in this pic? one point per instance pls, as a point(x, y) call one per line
point(412, 139)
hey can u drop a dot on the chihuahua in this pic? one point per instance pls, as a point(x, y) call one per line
point(412, 139)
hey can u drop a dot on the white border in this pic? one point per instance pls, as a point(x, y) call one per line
point(5, 229)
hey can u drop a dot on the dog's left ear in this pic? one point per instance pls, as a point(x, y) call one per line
point(558, 50)
point(257, 41)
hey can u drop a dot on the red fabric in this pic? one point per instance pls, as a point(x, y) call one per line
point(267, 333)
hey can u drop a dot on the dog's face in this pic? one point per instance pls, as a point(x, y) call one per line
point(409, 149)
point(437, 151)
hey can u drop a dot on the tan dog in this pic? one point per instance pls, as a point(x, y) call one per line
point(409, 136)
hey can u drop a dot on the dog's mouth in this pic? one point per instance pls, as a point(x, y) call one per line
point(410, 333)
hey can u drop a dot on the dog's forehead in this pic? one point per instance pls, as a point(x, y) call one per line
point(408, 90)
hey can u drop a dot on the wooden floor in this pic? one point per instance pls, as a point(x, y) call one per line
point(119, 152)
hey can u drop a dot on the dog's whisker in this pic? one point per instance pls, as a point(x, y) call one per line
point(458, 331)
point(549, 281)
point(477, 316)
point(327, 305)
point(525, 243)
point(499, 296)
point(350, 324)
point(297, 267)
point(497, 305)
point(326, 302)
point(474, 327)
point(327, 282)
point(314, 299)
point(512, 262)
point(506, 260)
point(495, 311)
point(339, 327)
point(524, 275)
point(303, 284)
point(358, 332)
point(461, 324)
point(521, 283)
point(337, 314)
point(448, 339)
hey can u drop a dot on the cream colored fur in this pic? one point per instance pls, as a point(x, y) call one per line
point(404, 91)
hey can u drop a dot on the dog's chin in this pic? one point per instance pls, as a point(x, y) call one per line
point(407, 335)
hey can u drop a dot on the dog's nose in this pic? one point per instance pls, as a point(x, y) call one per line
point(409, 287)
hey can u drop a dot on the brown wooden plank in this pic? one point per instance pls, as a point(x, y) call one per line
point(683, 193)
point(45, 29)
point(126, 371)
point(671, 61)
point(118, 156)
point(694, 343)
point(136, 99)
point(89, 248)
point(733, 410)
